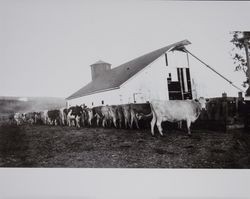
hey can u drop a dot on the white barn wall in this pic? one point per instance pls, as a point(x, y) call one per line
point(149, 83)
point(109, 97)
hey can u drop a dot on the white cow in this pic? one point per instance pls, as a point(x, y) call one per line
point(175, 111)
point(18, 117)
point(44, 117)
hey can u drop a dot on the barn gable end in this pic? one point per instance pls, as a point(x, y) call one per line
point(136, 81)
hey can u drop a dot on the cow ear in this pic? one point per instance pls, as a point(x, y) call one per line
point(196, 100)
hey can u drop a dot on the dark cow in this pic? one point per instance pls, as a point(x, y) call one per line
point(74, 114)
point(84, 117)
point(54, 117)
point(38, 118)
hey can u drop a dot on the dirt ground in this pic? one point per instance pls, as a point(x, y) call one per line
point(55, 146)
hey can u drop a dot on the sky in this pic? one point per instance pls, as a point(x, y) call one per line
point(47, 47)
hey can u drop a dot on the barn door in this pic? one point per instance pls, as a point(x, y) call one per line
point(181, 89)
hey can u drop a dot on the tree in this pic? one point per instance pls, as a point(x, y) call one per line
point(241, 41)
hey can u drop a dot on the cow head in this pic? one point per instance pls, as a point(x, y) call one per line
point(139, 116)
point(202, 102)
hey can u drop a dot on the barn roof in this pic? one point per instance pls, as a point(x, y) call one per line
point(115, 77)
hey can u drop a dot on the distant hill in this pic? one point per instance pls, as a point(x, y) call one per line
point(26, 104)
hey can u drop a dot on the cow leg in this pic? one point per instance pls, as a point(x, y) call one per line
point(115, 123)
point(180, 124)
point(136, 122)
point(126, 123)
point(153, 121)
point(188, 126)
point(97, 121)
point(131, 122)
point(158, 123)
point(120, 123)
point(77, 121)
point(71, 122)
point(103, 122)
point(68, 121)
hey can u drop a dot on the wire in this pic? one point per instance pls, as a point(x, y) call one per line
point(230, 82)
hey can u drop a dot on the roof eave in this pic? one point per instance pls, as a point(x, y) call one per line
point(94, 92)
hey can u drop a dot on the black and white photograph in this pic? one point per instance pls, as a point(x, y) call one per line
point(124, 85)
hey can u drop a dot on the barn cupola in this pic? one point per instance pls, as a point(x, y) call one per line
point(99, 68)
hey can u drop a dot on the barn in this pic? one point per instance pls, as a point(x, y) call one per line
point(161, 74)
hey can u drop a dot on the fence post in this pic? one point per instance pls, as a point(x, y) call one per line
point(225, 109)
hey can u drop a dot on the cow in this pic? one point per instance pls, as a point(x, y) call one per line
point(29, 117)
point(74, 114)
point(129, 116)
point(54, 117)
point(38, 118)
point(63, 116)
point(44, 117)
point(90, 115)
point(113, 113)
point(120, 116)
point(97, 112)
point(134, 119)
point(175, 111)
point(11, 119)
point(84, 117)
point(18, 117)
point(107, 118)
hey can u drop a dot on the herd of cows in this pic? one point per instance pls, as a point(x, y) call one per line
point(118, 116)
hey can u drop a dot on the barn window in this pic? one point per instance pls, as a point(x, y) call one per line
point(102, 102)
point(92, 103)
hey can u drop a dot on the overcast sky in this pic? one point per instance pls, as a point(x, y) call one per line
point(46, 47)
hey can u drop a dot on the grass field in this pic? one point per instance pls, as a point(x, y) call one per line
point(55, 146)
